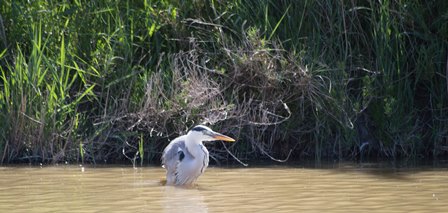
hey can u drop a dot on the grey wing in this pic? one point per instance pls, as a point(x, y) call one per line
point(173, 154)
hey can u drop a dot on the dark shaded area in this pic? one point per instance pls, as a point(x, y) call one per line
point(115, 81)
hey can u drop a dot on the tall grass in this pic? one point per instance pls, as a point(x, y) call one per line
point(40, 114)
point(104, 81)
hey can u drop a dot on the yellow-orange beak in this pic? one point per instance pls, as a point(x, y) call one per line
point(222, 137)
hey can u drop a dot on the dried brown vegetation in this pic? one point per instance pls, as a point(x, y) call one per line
point(106, 81)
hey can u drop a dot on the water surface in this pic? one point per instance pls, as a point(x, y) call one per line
point(343, 188)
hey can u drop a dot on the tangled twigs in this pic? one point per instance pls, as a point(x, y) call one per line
point(234, 157)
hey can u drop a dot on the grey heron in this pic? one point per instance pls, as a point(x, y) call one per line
point(186, 158)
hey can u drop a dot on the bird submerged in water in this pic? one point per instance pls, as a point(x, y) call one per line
point(186, 158)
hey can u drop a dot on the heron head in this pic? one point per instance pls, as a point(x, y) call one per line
point(204, 133)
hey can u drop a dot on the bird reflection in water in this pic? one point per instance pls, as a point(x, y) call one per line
point(183, 199)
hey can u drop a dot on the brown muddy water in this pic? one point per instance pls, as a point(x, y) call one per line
point(340, 188)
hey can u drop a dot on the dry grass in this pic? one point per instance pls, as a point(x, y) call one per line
point(105, 81)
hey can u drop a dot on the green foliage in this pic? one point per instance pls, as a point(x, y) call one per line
point(88, 80)
point(40, 101)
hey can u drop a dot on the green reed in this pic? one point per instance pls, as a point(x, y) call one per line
point(40, 101)
point(88, 80)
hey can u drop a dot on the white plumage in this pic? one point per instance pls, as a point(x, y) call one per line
point(186, 158)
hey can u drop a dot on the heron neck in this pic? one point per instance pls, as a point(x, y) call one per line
point(192, 143)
